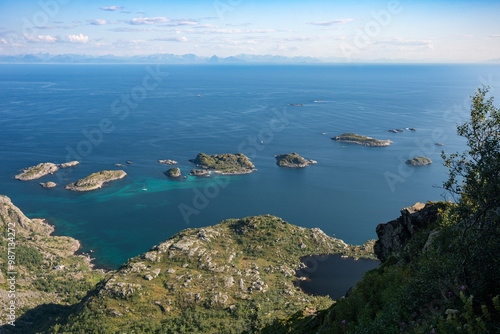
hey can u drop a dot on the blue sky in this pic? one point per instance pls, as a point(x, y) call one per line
point(421, 31)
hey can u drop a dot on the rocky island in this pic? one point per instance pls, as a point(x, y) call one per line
point(36, 172)
point(49, 184)
point(96, 180)
point(361, 140)
point(419, 161)
point(42, 169)
point(226, 164)
point(167, 162)
point(173, 172)
point(293, 160)
point(69, 164)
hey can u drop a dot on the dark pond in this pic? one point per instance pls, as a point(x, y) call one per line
point(331, 274)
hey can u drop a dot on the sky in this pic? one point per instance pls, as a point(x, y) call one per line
point(414, 31)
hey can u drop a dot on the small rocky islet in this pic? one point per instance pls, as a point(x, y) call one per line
point(96, 180)
point(225, 164)
point(42, 169)
point(167, 162)
point(49, 184)
point(173, 172)
point(353, 138)
point(419, 161)
point(293, 160)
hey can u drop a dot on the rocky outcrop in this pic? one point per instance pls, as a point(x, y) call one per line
point(42, 263)
point(36, 172)
point(293, 160)
point(394, 235)
point(222, 268)
point(167, 162)
point(353, 138)
point(49, 184)
point(226, 164)
point(69, 164)
point(96, 180)
point(42, 169)
point(173, 172)
point(419, 161)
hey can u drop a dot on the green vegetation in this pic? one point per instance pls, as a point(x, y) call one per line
point(225, 163)
point(173, 172)
point(33, 170)
point(361, 140)
point(50, 277)
point(234, 277)
point(419, 161)
point(292, 160)
point(446, 278)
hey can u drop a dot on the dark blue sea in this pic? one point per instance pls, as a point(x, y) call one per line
point(102, 115)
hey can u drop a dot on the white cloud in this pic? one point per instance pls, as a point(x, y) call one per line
point(148, 20)
point(3, 41)
point(57, 27)
point(182, 23)
point(129, 29)
point(228, 41)
point(77, 38)
point(41, 38)
point(494, 36)
point(202, 26)
point(112, 8)
point(239, 31)
point(172, 39)
point(332, 22)
point(98, 22)
point(313, 38)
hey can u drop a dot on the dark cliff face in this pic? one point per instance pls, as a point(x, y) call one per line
point(394, 235)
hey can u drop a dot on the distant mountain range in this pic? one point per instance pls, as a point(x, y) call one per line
point(163, 58)
point(167, 58)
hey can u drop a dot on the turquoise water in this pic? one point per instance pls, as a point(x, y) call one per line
point(58, 112)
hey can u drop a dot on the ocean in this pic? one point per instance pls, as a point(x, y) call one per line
point(102, 115)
